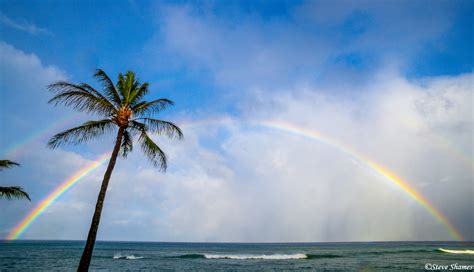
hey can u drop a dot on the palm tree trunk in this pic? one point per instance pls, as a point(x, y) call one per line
point(87, 253)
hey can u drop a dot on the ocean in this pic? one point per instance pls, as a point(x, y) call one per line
point(26, 255)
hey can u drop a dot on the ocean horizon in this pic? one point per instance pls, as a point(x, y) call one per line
point(64, 255)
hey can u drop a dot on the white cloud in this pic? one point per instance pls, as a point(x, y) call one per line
point(25, 78)
point(338, 43)
point(284, 188)
point(242, 183)
point(23, 26)
point(41, 172)
point(255, 184)
point(24, 117)
point(23, 82)
point(246, 52)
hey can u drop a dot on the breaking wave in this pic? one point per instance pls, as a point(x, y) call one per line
point(256, 257)
point(452, 251)
point(127, 257)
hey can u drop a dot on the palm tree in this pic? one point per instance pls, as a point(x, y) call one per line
point(11, 191)
point(122, 109)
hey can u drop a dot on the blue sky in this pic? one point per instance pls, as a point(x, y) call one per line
point(391, 79)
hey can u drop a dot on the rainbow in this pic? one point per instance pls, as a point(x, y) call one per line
point(277, 125)
point(418, 197)
point(384, 172)
point(54, 195)
point(455, 152)
point(377, 168)
point(20, 147)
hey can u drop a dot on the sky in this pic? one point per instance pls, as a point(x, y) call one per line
point(390, 81)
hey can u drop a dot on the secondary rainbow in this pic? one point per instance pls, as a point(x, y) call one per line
point(53, 196)
point(21, 145)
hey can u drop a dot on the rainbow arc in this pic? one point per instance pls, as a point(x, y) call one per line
point(383, 171)
point(23, 225)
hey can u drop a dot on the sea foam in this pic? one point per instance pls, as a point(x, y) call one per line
point(257, 257)
point(453, 251)
point(127, 257)
point(295, 256)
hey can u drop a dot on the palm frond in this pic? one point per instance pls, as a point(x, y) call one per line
point(162, 127)
point(81, 97)
point(109, 87)
point(127, 85)
point(7, 164)
point(149, 147)
point(137, 127)
point(127, 144)
point(147, 108)
point(13, 192)
point(119, 103)
point(153, 152)
point(121, 87)
point(85, 132)
point(93, 91)
point(138, 93)
point(97, 93)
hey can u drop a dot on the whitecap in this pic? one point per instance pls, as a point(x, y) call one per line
point(127, 257)
point(257, 257)
point(453, 251)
